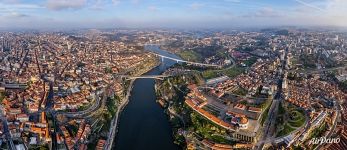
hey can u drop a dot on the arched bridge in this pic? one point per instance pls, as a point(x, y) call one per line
point(188, 62)
point(160, 77)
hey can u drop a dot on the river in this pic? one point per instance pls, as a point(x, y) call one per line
point(143, 125)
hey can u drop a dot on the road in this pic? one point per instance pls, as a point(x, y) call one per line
point(6, 130)
point(338, 111)
point(173, 112)
point(114, 123)
point(317, 70)
point(90, 109)
point(269, 127)
point(269, 124)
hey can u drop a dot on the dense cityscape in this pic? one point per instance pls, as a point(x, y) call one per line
point(173, 75)
point(268, 89)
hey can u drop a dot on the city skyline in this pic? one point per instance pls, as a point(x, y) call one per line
point(51, 14)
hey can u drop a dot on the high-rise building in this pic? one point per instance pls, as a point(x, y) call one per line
point(2, 44)
point(5, 45)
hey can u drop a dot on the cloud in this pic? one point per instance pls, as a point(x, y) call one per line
point(97, 5)
point(196, 6)
point(266, 12)
point(328, 12)
point(153, 8)
point(17, 15)
point(11, 16)
point(115, 2)
point(309, 5)
point(337, 7)
point(65, 4)
point(9, 1)
point(21, 6)
point(135, 1)
point(233, 1)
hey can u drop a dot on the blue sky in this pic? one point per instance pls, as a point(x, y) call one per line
point(170, 13)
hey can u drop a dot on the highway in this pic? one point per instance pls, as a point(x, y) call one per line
point(114, 123)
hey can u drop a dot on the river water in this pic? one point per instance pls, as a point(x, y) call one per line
point(143, 124)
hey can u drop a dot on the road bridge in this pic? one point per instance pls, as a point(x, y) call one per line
point(160, 77)
point(188, 62)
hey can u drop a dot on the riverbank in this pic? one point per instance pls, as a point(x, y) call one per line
point(143, 123)
point(113, 128)
point(147, 66)
point(124, 102)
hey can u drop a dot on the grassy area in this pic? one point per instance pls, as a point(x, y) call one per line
point(83, 107)
point(190, 55)
point(297, 119)
point(295, 61)
point(293, 120)
point(39, 147)
point(265, 115)
point(73, 128)
point(318, 132)
point(230, 72)
point(2, 96)
point(233, 72)
point(308, 61)
point(240, 91)
point(208, 130)
point(286, 130)
point(250, 61)
point(220, 139)
point(111, 105)
point(209, 74)
point(281, 109)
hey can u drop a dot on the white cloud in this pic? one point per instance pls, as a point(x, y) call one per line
point(17, 15)
point(233, 1)
point(135, 1)
point(65, 4)
point(9, 1)
point(329, 12)
point(115, 2)
point(196, 6)
point(152, 8)
point(265, 12)
point(309, 5)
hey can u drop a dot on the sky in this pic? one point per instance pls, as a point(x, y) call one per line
point(36, 14)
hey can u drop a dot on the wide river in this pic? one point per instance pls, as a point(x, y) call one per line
point(143, 124)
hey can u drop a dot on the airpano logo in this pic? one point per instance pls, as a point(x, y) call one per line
point(324, 140)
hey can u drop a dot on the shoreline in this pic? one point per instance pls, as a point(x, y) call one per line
point(167, 116)
point(115, 120)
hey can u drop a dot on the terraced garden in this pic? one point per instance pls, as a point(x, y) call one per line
point(289, 119)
